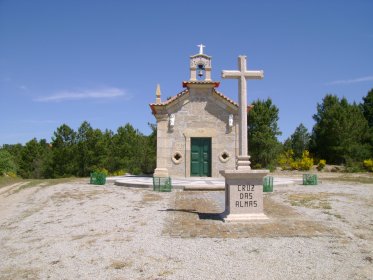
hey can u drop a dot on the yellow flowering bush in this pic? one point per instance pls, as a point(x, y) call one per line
point(321, 164)
point(119, 172)
point(306, 162)
point(368, 164)
point(287, 161)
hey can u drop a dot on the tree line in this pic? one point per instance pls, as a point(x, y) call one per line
point(78, 153)
point(342, 135)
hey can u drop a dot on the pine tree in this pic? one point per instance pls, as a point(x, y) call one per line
point(298, 141)
point(127, 150)
point(64, 152)
point(91, 149)
point(7, 163)
point(263, 130)
point(35, 159)
point(367, 108)
point(341, 132)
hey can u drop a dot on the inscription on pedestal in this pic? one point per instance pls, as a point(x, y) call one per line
point(245, 198)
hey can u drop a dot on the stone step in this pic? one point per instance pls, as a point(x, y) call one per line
point(188, 184)
point(204, 188)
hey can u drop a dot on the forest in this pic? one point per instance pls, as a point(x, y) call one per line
point(342, 135)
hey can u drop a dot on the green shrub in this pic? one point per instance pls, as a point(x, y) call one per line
point(102, 171)
point(271, 167)
point(321, 164)
point(257, 166)
point(368, 164)
point(353, 166)
point(7, 164)
point(136, 171)
point(11, 174)
point(120, 172)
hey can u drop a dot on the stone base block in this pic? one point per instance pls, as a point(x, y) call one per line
point(243, 195)
point(243, 163)
point(243, 217)
point(161, 172)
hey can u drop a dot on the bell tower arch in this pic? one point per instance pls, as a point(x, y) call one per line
point(200, 66)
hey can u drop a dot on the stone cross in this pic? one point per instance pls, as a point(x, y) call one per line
point(242, 75)
point(201, 48)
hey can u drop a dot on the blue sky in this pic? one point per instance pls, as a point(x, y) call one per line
point(100, 61)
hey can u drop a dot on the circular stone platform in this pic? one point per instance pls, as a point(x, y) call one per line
point(192, 183)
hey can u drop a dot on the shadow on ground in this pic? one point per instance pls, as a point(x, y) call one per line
point(201, 216)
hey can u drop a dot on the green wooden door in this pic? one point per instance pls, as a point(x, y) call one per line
point(200, 157)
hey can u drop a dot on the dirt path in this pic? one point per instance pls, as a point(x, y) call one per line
point(12, 197)
point(7, 190)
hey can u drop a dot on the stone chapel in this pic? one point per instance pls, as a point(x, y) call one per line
point(197, 129)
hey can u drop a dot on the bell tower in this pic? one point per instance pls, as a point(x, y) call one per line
point(200, 66)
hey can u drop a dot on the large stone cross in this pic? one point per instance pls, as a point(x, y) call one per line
point(242, 75)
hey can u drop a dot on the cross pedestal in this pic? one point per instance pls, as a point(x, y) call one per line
point(243, 186)
point(243, 195)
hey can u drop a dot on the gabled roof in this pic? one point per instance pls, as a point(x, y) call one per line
point(168, 101)
point(154, 106)
point(225, 97)
point(219, 95)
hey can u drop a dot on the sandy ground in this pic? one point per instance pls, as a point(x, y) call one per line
point(80, 231)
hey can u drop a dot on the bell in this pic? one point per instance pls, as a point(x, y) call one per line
point(200, 73)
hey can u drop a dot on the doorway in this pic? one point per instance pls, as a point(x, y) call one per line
point(200, 157)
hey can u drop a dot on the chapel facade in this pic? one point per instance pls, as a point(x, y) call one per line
point(197, 129)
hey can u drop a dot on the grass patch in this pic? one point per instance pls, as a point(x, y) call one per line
point(29, 183)
point(15, 272)
point(77, 195)
point(202, 222)
point(120, 264)
point(165, 273)
point(6, 181)
point(151, 197)
point(351, 179)
point(332, 214)
point(43, 183)
point(314, 201)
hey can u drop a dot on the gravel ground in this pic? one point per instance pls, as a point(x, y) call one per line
point(80, 231)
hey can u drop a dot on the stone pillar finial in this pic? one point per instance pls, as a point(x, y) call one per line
point(158, 94)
